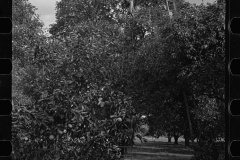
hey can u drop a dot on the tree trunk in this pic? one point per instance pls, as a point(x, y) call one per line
point(125, 150)
point(176, 136)
point(174, 5)
point(169, 138)
point(198, 122)
point(167, 7)
point(122, 149)
point(131, 7)
point(186, 141)
point(186, 136)
point(176, 139)
point(188, 116)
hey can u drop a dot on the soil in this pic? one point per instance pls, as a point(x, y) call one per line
point(158, 149)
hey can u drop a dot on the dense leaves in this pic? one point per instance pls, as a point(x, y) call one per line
point(82, 91)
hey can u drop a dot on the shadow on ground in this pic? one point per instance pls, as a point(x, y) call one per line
point(158, 149)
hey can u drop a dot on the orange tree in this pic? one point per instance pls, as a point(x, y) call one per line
point(196, 49)
point(76, 110)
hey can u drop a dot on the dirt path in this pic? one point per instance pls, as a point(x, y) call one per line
point(158, 149)
point(161, 153)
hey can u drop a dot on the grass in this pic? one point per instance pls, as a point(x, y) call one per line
point(159, 149)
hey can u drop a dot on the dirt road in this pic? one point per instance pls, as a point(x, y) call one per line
point(158, 149)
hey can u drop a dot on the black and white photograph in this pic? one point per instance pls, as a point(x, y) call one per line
point(118, 80)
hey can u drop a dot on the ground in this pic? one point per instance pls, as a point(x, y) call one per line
point(159, 149)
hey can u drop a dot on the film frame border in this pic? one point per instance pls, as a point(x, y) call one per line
point(5, 37)
point(232, 12)
point(232, 38)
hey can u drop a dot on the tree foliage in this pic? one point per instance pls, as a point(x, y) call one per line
point(86, 87)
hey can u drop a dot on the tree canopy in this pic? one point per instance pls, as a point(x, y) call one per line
point(105, 65)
